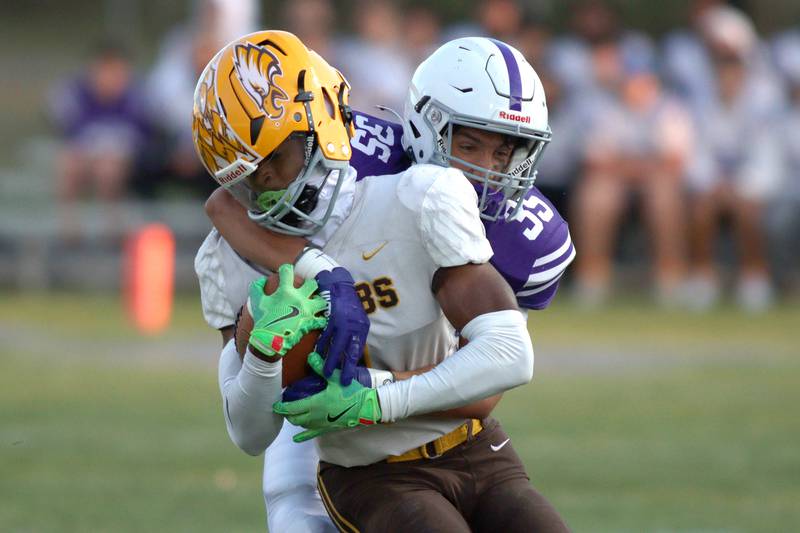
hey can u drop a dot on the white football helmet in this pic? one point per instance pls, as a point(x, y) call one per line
point(486, 84)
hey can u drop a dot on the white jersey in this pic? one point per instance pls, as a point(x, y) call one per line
point(402, 229)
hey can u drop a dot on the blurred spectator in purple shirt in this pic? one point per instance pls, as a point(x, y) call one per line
point(102, 121)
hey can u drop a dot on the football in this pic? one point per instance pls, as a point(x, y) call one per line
point(295, 366)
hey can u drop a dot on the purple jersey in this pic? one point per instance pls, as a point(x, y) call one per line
point(531, 249)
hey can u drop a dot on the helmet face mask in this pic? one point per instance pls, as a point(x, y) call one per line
point(289, 210)
point(501, 189)
point(259, 97)
point(471, 83)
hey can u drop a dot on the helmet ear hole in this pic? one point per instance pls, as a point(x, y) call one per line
point(255, 128)
point(329, 107)
point(414, 130)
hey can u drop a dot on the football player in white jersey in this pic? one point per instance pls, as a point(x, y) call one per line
point(408, 234)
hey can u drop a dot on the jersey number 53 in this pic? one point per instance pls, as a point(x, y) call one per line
point(535, 211)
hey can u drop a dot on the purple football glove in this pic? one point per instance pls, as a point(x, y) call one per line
point(303, 388)
point(311, 385)
point(342, 341)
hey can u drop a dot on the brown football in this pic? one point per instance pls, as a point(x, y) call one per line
point(294, 362)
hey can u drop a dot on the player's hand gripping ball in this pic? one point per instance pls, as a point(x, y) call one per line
point(342, 342)
point(334, 408)
point(283, 318)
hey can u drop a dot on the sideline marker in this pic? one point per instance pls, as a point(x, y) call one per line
point(149, 277)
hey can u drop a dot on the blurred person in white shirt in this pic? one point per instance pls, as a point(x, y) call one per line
point(183, 54)
point(738, 165)
point(687, 66)
point(500, 19)
point(639, 143)
point(312, 21)
point(374, 59)
point(784, 213)
point(592, 24)
point(568, 115)
point(423, 32)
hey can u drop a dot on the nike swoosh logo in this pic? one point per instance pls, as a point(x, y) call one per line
point(293, 313)
point(366, 256)
point(499, 446)
point(340, 415)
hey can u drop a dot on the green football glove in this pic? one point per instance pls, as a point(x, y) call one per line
point(282, 318)
point(335, 407)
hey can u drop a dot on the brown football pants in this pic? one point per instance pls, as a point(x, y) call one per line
point(480, 485)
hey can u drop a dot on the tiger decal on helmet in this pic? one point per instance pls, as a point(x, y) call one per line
point(257, 67)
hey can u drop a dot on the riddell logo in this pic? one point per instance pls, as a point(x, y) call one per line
point(515, 117)
point(234, 173)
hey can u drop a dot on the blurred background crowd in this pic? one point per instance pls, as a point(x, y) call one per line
point(674, 153)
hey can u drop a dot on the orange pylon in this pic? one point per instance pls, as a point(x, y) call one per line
point(149, 277)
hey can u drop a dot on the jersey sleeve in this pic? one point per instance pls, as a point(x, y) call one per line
point(542, 283)
point(377, 150)
point(450, 222)
point(532, 250)
point(224, 280)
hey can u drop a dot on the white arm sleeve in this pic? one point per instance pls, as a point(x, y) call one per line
point(249, 389)
point(499, 357)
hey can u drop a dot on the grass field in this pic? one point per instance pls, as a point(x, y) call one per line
point(637, 420)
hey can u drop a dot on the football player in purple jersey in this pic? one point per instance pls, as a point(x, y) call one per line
point(531, 241)
point(455, 116)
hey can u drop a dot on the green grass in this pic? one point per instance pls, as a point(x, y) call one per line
point(637, 420)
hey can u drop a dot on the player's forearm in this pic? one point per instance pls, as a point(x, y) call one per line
point(249, 388)
point(257, 244)
point(480, 409)
point(499, 356)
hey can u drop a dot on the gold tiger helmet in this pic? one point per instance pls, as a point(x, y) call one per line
point(256, 93)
